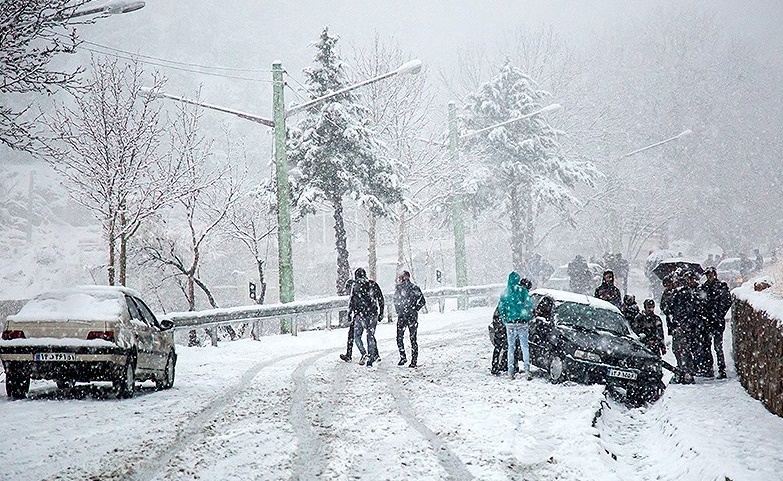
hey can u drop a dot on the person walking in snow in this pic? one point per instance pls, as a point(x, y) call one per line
point(366, 304)
point(516, 309)
point(408, 300)
point(717, 302)
point(349, 345)
point(608, 291)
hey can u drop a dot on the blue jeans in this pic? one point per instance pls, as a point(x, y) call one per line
point(363, 322)
point(516, 331)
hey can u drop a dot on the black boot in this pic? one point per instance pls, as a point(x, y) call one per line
point(402, 362)
point(345, 357)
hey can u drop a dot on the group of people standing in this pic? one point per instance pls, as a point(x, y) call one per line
point(695, 318)
point(365, 311)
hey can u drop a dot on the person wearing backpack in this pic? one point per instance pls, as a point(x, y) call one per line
point(366, 305)
point(408, 300)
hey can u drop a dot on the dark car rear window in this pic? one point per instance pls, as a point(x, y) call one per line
point(588, 317)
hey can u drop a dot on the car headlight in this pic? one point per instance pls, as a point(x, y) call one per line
point(589, 356)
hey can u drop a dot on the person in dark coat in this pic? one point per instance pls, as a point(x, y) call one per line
point(349, 345)
point(366, 304)
point(408, 300)
point(717, 302)
point(608, 291)
point(630, 308)
point(497, 333)
point(649, 327)
point(687, 311)
point(670, 283)
point(579, 276)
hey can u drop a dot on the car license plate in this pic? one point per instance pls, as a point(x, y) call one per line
point(55, 356)
point(621, 374)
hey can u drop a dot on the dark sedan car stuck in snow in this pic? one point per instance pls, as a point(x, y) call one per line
point(587, 340)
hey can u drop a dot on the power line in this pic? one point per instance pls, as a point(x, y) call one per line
point(186, 64)
point(183, 69)
point(165, 63)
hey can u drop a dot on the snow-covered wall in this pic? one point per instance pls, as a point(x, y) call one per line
point(757, 328)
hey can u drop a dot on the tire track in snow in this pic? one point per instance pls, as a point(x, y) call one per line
point(309, 460)
point(194, 427)
point(450, 462)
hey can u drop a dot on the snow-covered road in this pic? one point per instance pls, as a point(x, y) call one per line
point(287, 408)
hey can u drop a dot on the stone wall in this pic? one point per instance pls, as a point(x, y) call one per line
point(758, 354)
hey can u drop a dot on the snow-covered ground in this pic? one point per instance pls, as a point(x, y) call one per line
point(287, 408)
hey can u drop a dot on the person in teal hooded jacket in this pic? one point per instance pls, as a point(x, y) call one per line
point(516, 309)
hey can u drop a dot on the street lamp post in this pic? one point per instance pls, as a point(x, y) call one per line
point(460, 257)
point(279, 115)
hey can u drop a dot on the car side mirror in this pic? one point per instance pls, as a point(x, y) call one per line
point(166, 324)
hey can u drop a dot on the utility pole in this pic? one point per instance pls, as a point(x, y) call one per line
point(456, 208)
point(284, 253)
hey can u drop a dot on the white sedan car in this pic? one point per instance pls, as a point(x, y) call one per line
point(84, 334)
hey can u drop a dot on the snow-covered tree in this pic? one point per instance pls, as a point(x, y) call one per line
point(32, 33)
point(335, 154)
point(523, 168)
point(107, 147)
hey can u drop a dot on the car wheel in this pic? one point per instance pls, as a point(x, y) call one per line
point(639, 395)
point(17, 381)
point(167, 380)
point(125, 383)
point(63, 384)
point(557, 369)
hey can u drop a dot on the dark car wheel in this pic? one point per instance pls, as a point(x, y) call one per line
point(557, 369)
point(17, 380)
point(166, 381)
point(646, 393)
point(125, 383)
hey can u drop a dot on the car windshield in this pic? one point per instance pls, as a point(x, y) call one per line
point(729, 264)
point(591, 318)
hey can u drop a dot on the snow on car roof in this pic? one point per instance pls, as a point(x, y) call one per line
point(565, 296)
point(85, 303)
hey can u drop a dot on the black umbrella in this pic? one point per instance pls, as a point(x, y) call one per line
point(667, 266)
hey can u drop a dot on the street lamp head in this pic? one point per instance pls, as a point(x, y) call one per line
point(550, 108)
point(684, 133)
point(149, 93)
point(411, 67)
point(122, 7)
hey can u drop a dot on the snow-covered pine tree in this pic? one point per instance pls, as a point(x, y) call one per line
point(335, 154)
point(524, 168)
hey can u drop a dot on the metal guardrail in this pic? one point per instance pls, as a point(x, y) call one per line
point(294, 310)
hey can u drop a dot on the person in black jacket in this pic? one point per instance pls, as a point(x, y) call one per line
point(349, 345)
point(366, 305)
point(717, 302)
point(649, 327)
point(687, 311)
point(408, 300)
point(630, 308)
point(608, 291)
